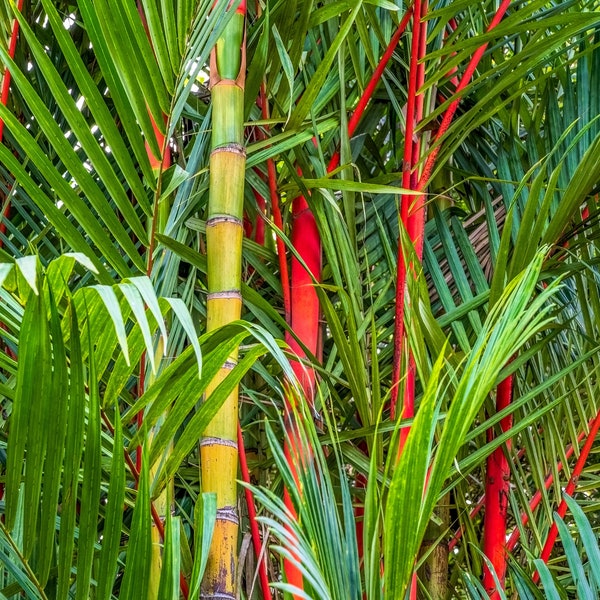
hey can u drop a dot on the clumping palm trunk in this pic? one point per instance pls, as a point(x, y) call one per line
point(224, 231)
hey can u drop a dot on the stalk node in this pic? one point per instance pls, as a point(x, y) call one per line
point(215, 220)
point(225, 294)
point(228, 513)
point(215, 441)
point(232, 147)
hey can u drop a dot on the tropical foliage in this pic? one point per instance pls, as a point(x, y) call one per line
point(409, 325)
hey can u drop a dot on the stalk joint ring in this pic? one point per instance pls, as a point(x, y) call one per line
point(228, 513)
point(215, 441)
point(232, 147)
point(225, 294)
point(212, 221)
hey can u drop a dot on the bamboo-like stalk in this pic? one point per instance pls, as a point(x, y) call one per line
point(496, 498)
point(224, 232)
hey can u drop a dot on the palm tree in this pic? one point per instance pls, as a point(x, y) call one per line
point(477, 130)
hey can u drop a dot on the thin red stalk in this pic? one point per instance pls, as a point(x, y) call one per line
point(476, 510)
point(537, 497)
point(496, 497)
point(155, 516)
point(562, 508)
point(405, 211)
point(12, 46)
point(422, 183)
point(258, 227)
point(372, 85)
point(276, 212)
point(452, 107)
point(140, 416)
point(256, 541)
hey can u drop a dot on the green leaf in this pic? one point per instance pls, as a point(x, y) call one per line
point(135, 583)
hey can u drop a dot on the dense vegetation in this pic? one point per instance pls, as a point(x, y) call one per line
point(402, 349)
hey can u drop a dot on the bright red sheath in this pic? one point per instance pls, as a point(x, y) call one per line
point(304, 300)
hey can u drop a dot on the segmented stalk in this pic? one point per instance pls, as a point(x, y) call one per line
point(224, 231)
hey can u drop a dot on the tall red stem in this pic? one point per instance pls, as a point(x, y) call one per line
point(370, 88)
point(407, 206)
point(496, 497)
point(537, 497)
point(256, 541)
point(453, 106)
point(276, 213)
point(12, 47)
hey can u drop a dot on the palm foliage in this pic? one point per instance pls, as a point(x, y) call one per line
point(104, 286)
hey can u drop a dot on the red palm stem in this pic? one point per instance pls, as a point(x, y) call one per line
point(405, 213)
point(422, 183)
point(256, 541)
point(277, 219)
point(453, 106)
point(537, 497)
point(369, 90)
point(496, 497)
point(12, 47)
point(570, 488)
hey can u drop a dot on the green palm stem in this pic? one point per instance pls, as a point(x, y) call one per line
point(157, 521)
point(224, 232)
